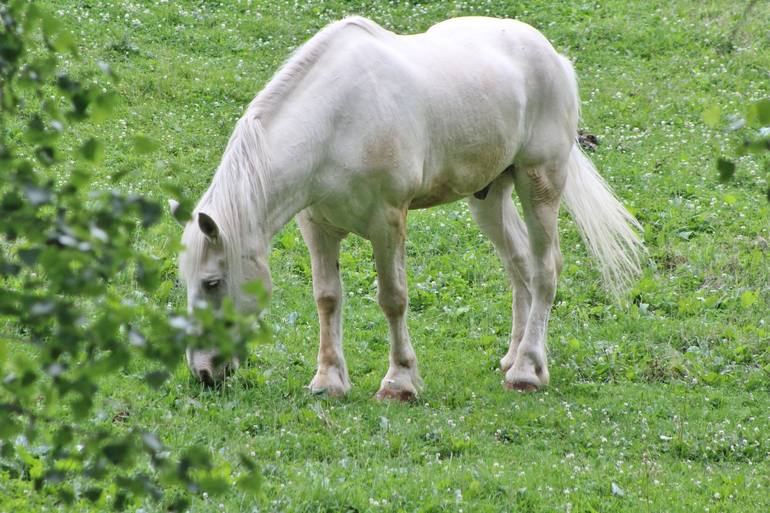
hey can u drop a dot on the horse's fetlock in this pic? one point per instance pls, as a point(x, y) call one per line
point(407, 362)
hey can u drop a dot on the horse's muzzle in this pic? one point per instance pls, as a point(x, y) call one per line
point(203, 367)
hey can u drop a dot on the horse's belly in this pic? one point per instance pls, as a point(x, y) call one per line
point(449, 186)
point(465, 170)
point(435, 196)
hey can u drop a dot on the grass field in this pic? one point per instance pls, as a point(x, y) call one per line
point(662, 405)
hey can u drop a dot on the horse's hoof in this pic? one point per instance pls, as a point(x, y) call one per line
point(507, 361)
point(330, 384)
point(395, 395)
point(319, 391)
point(521, 386)
point(527, 375)
point(328, 392)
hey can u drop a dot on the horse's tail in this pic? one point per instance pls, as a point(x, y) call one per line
point(610, 232)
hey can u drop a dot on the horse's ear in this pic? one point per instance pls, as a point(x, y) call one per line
point(173, 206)
point(208, 226)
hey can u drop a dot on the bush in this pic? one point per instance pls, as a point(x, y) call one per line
point(65, 327)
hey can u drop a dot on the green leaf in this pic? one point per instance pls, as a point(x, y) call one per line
point(50, 24)
point(121, 499)
point(711, 116)
point(748, 298)
point(251, 481)
point(213, 485)
point(65, 42)
point(38, 195)
point(179, 504)
point(33, 17)
point(156, 378)
point(92, 494)
point(104, 105)
point(151, 442)
point(6, 450)
point(66, 495)
point(184, 212)
point(144, 145)
point(93, 150)
point(81, 406)
point(147, 274)
point(46, 155)
point(9, 427)
point(107, 70)
point(63, 436)
point(726, 169)
point(139, 485)
point(194, 457)
point(762, 109)
point(117, 452)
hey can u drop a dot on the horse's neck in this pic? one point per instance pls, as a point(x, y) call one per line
point(285, 197)
point(294, 160)
point(297, 133)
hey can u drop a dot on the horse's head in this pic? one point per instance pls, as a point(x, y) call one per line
point(215, 263)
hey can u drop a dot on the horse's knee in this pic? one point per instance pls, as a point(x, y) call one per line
point(558, 261)
point(327, 302)
point(393, 302)
point(521, 264)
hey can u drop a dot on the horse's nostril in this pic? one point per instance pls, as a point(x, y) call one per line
point(206, 377)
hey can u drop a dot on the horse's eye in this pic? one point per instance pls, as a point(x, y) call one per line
point(210, 284)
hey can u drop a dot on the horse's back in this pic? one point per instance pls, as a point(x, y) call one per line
point(433, 117)
point(497, 93)
point(516, 60)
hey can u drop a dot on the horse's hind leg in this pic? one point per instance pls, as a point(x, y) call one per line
point(539, 189)
point(388, 233)
point(324, 245)
point(497, 217)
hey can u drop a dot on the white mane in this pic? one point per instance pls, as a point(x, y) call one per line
point(237, 194)
point(235, 199)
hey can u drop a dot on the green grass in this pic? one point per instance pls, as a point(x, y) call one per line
point(663, 405)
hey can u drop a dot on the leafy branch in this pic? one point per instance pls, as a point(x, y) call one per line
point(753, 127)
point(65, 327)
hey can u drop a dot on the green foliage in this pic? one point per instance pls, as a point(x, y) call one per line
point(64, 243)
point(753, 127)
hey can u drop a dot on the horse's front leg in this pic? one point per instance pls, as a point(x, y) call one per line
point(324, 245)
point(388, 235)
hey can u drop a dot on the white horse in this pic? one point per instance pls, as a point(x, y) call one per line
point(361, 125)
